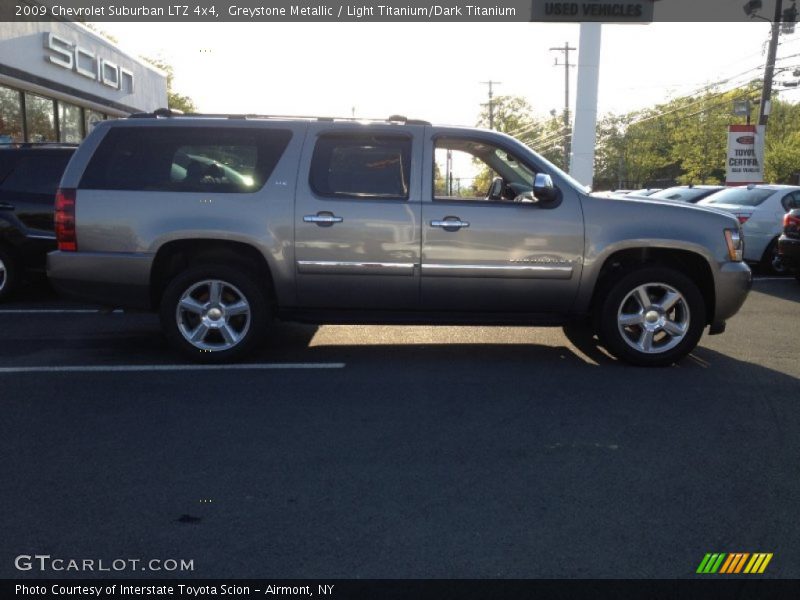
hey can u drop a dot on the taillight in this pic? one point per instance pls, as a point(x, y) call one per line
point(791, 224)
point(65, 220)
point(742, 219)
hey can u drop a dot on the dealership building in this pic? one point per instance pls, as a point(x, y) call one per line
point(58, 78)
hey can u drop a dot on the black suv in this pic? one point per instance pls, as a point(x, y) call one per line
point(29, 176)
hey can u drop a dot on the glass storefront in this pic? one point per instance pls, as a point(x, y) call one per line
point(10, 116)
point(40, 119)
point(70, 123)
point(91, 118)
point(43, 119)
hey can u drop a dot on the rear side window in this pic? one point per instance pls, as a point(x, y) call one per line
point(359, 166)
point(185, 159)
point(37, 174)
point(741, 196)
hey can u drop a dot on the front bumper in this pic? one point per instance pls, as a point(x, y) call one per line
point(734, 281)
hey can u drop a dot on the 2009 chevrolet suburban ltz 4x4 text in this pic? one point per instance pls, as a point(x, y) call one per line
point(222, 223)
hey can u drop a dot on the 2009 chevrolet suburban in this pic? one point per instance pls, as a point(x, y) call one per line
point(222, 223)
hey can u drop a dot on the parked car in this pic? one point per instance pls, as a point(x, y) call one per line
point(643, 192)
point(789, 242)
point(686, 193)
point(29, 176)
point(760, 209)
point(340, 221)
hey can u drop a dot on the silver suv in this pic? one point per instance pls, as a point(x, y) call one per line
point(223, 223)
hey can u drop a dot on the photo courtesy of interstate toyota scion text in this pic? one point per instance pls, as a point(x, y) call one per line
point(224, 223)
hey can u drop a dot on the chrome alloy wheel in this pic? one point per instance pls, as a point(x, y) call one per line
point(213, 315)
point(3, 275)
point(653, 318)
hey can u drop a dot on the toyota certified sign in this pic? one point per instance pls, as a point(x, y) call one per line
point(745, 163)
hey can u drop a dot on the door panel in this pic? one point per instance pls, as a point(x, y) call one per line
point(509, 258)
point(358, 251)
point(496, 254)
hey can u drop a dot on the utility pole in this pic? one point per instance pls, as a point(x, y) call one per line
point(769, 69)
point(490, 83)
point(567, 134)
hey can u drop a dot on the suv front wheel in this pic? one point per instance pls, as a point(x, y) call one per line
point(214, 313)
point(652, 316)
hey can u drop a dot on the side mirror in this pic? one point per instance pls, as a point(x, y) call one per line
point(544, 189)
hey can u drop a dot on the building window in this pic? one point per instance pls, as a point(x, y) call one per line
point(40, 118)
point(10, 116)
point(92, 118)
point(70, 123)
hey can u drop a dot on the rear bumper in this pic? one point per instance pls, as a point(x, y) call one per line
point(112, 279)
point(789, 249)
point(734, 281)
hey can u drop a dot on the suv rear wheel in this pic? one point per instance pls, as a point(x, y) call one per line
point(214, 313)
point(8, 275)
point(652, 316)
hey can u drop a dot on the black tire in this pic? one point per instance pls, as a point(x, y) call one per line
point(770, 262)
point(689, 313)
point(244, 331)
point(9, 275)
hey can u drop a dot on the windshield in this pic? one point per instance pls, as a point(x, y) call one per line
point(680, 193)
point(740, 196)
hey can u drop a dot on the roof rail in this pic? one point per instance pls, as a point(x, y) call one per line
point(171, 112)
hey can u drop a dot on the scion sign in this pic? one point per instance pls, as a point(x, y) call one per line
point(63, 53)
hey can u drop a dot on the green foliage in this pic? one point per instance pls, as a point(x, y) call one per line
point(681, 141)
point(685, 141)
point(174, 99)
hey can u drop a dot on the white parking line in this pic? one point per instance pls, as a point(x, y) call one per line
point(150, 368)
point(57, 311)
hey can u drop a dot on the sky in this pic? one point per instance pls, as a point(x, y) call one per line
point(433, 71)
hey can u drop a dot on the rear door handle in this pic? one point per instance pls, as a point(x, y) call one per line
point(450, 223)
point(6, 206)
point(323, 219)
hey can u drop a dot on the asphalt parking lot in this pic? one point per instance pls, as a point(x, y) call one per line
point(395, 452)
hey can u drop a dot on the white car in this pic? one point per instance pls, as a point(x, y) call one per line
point(760, 210)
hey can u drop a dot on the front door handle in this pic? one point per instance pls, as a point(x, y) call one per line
point(450, 223)
point(323, 219)
point(6, 206)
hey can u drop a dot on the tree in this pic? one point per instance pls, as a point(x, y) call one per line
point(174, 99)
point(782, 144)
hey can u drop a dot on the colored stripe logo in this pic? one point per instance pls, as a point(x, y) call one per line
point(734, 563)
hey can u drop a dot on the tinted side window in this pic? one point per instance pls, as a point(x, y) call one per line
point(37, 174)
point(361, 166)
point(185, 159)
point(791, 201)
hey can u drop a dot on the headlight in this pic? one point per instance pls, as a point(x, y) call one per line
point(733, 237)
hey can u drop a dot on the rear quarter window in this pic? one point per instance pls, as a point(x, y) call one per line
point(36, 173)
point(185, 159)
